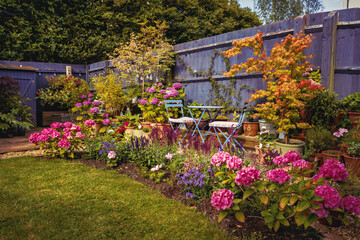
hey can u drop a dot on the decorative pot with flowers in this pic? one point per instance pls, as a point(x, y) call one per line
point(333, 153)
point(152, 103)
point(287, 74)
point(351, 142)
point(282, 191)
point(351, 105)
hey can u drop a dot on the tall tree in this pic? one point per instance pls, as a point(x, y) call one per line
point(277, 10)
point(85, 31)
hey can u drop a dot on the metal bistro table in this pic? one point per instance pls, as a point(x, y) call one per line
point(212, 116)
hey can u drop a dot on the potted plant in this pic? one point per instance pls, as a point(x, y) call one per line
point(14, 115)
point(250, 125)
point(288, 86)
point(352, 157)
point(317, 139)
point(131, 121)
point(351, 105)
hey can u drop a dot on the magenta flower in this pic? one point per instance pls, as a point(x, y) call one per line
point(42, 138)
point(351, 204)
point(143, 101)
point(247, 176)
point(86, 103)
point(292, 156)
point(220, 158)
point(281, 160)
point(234, 163)
point(154, 101)
point(94, 110)
point(330, 195)
point(222, 199)
point(111, 154)
point(78, 105)
point(105, 115)
point(89, 122)
point(174, 93)
point(83, 96)
point(55, 134)
point(170, 88)
point(166, 96)
point(278, 175)
point(106, 121)
point(64, 144)
point(33, 137)
point(162, 91)
point(80, 135)
point(300, 163)
point(321, 213)
point(160, 84)
point(68, 124)
point(177, 85)
point(67, 136)
point(337, 134)
point(96, 103)
point(333, 169)
point(90, 95)
point(75, 128)
point(56, 125)
point(343, 130)
point(151, 90)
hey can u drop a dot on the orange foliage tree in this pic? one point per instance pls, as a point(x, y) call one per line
point(286, 72)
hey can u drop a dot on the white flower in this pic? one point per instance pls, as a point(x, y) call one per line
point(111, 154)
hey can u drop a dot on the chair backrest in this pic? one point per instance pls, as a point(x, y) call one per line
point(241, 118)
point(174, 104)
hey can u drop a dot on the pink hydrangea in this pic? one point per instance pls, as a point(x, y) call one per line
point(174, 93)
point(111, 154)
point(343, 130)
point(351, 204)
point(247, 176)
point(86, 103)
point(334, 170)
point(90, 95)
point(278, 175)
point(67, 136)
point(56, 125)
point(321, 212)
point(96, 103)
point(78, 105)
point(143, 101)
point(162, 91)
point(292, 156)
point(234, 163)
point(68, 124)
point(170, 88)
point(106, 121)
point(64, 144)
point(55, 134)
point(42, 138)
point(66, 130)
point(75, 128)
point(177, 85)
point(220, 158)
point(166, 96)
point(33, 137)
point(94, 110)
point(222, 199)
point(154, 101)
point(150, 90)
point(281, 161)
point(105, 115)
point(83, 96)
point(89, 122)
point(330, 195)
point(300, 163)
point(80, 135)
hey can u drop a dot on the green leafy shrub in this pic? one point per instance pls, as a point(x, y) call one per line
point(317, 140)
point(352, 102)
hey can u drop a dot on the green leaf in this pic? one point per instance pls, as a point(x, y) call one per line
point(276, 225)
point(283, 202)
point(280, 216)
point(71, 155)
point(293, 200)
point(226, 181)
point(218, 174)
point(222, 215)
point(240, 216)
point(248, 193)
point(79, 118)
point(265, 213)
point(302, 206)
point(269, 219)
point(310, 220)
point(237, 200)
point(260, 185)
point(317, 199)
point(235, 207)
point(285, 222)
point(315, 206)
point(273, 186)
point(300, 219)
point(264, 199)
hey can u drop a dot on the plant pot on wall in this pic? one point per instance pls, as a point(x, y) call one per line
point(251, 128)
point(294, 145)
point(352, 164)
point(329, 154)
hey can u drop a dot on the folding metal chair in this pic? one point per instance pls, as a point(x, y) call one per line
point(176, 123)
point(230, 130)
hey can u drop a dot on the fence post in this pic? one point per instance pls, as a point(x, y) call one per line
point(329, 35)
point(299, 24)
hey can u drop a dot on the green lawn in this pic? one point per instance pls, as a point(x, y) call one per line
point(58, 199)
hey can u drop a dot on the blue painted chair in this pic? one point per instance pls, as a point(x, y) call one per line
point(175, 122)
point(230, 130)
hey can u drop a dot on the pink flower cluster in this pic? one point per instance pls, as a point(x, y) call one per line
point(89, 122)
point(177, 85)
point(300, 163)
point(340, 132)
point(289, 157)
point(321, 212)
point(154, 101)
point(234, 163)
point(106, 121)
point(330, 195)
point(247, 176)
point(143, 101)
point(94, 110)
point(220, 158)
point(351, 204)
point(333, 169)
point(150, 90)
point(278, 175)
point(222, 199)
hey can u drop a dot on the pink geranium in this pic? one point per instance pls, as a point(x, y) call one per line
point(247, 176)
point(222, 199)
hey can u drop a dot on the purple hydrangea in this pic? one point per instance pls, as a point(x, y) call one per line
point(143, 101)
point(78, 105)
point(330, 195)
point(333, 169)
point(222, 199)
point(166, 96)
point(247, 176)
point(220, 158)
point(105, 115)
point(351, 204)
point(281, 161)
point(321, 212)
point(96, 103)
point(94, 110)
point(90, 95)
point(154, 101)
point(278, 175)
point(162, 91)
point(292, 156)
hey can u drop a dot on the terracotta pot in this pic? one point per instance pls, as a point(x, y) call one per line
point(294, 145)
point(146, 125)
point(353, 164)
point(251, 128)
point(300, 136)
point(328, 154)
point(97, 126)
point(354, 116)
point(162, 125)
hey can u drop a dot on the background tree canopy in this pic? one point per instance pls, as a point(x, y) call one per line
point(80, 31)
